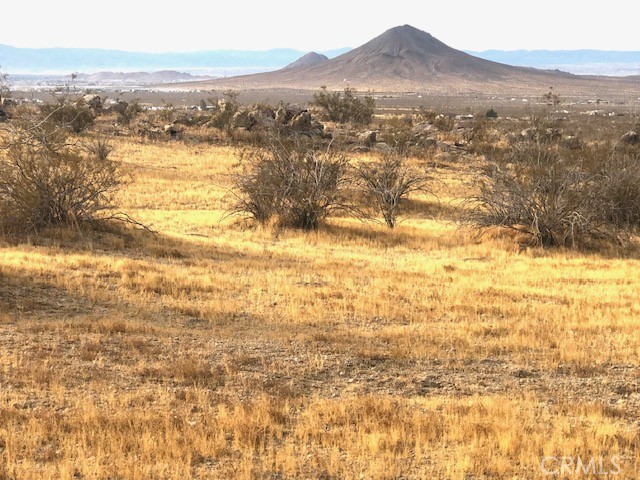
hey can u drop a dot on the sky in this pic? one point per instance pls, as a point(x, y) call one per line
point(195, 25)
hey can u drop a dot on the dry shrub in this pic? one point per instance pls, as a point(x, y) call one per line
point(386, 183)
point(564, 198)
point(397, 132)
point(76, 116)
point(292, 181)
point(41, 188)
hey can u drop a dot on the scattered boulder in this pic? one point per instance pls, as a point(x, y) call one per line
point(172, 130)
point(301, 122)
point(242, 119)
point(146, 129)
point(4, 116)
point(383, 147)
point(529, 133)
point(368, 138)
point(283, 116)
point(93, 101)
point(8, 102)
point(120, 107)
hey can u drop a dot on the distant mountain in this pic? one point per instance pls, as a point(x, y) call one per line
point(580, 62)
point(402, 58)
point(137, 78)
point(311, 58)
point(67, 60)
point(405, 59)
point(540, 58)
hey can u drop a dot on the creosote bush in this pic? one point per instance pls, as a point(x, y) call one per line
point(291, 181)
point(386, 182)
point(224, 109)
point(344, 107)
point(46, 181)
point(76, 116)
point(561, 197)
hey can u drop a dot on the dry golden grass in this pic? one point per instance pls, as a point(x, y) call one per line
point(213, 349)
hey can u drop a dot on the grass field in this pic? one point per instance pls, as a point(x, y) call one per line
point(215, 349)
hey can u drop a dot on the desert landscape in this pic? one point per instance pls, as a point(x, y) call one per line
point(403, 262)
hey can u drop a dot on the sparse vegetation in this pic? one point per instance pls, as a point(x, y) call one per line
point(491, 113)
point(214, 349)
point(224, 109)
point(40, 188)
point(387, 182)
point(560, 196)
point(345, 107)
point(292, 181)
point(68, 114)
point(45, 180)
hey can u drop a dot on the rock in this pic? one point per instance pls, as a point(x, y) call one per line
point(8, 102)
point(318, 128)
point(93, 101)
point(242, 119)
point(262, 117)
point(382, 147)
point(223, 105)
point(529, 133)
point(552, 134)
point(281, 116)
point(172, 130)
point(119, 107)
point(512, 137)
point(446, 146)
point(423, 127)
point(630, 138)
point(301, 122)
point(429, 141)
point(368, 138)
point(4, 116)
point(146, 129)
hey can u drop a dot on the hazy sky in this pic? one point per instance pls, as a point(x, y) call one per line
point(189, 25)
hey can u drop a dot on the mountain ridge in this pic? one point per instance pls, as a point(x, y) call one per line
point(401, 58)
point(92, 60)
point(406, 59)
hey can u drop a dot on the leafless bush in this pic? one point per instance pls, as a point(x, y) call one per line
point(291, 181)
point(386, 182)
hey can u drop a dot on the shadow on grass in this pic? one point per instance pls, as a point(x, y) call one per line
point(435, 210)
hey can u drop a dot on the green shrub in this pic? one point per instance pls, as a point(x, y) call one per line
point(491, 113)
point(75, 116)
point(344, 107)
